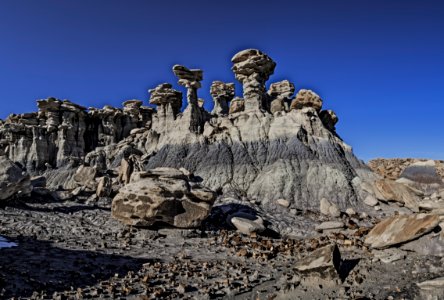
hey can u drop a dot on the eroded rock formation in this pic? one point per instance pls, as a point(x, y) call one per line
point(61, 133)
point(265, 146)
point(222, 94)
point(253, 68)
point(163, 195)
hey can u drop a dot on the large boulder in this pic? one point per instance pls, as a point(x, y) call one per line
point(400, 229)
point(164, 195)
point(13, 181)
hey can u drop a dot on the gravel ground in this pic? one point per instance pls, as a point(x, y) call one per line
point(72, 250)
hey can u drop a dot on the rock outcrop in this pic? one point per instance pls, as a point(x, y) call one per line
point(162, 195)
point(13, 181)
point(253, 68)
point(307, 98)
point(266, 146)
point(393, 168)
point(400, 229)
point(280, 94)
point(222, 94)
point(61, 133)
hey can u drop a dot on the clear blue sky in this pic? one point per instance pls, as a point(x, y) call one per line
point(378, 63)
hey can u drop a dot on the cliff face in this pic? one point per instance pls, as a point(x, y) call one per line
point(267, 145)
point(61, 133)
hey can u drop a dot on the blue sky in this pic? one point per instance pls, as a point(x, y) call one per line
point(378, 64)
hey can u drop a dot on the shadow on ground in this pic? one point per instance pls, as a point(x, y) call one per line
point(36, 265)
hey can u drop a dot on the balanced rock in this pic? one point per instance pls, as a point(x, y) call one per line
point(253, 68)
point(162, 196)
point(307, 98)
point(400, 229)
point(13, 181)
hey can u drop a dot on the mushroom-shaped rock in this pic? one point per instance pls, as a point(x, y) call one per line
point(253, 68)
point(188, 77)
point(166, 98)
point(162, 195)
point(222, 93)
point(280, 93)
point(132, 106)
point(329, 119)
point(237, 105)
point(307, 98)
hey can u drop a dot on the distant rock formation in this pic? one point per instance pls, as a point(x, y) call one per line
point(395, 168)
point(266, 145)
point(62, 133)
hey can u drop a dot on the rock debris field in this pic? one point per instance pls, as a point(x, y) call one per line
point(258, 199)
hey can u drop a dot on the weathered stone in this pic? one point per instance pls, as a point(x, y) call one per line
point(329, 209)
point(429, 245)
point(104, 187)
point(400, 229)
point(280, 94)
point(222, 94)
point(431, 289)
point(370, 200)
point(13, 181)
point(247, 226)
point(237, 105)
point(283, 202)
point(169, 102)
point(389, 190)
point(191, 80)
point(253, 68)
point(85, 176)
point(422, 172)
point(61, 133)
point(329, 119)
point(307, 98)
point(330, 225)
point(325, 262)
point(155, 197)
point(125, 171)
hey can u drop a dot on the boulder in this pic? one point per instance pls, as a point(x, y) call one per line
point(329, 209)
point(389, 190)
point(247, 226)
point(85, 176)
point(400, 229)
point(324, 262)
point(330, 225)
point(370, 200)
point(104, 187)
point(431, 244)
point(13, 181)
point(162, 195)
